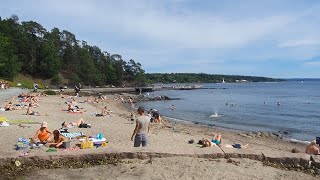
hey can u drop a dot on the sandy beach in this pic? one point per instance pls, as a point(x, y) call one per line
point(164, 139)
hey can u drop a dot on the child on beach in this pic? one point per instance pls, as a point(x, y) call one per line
point(141, 130)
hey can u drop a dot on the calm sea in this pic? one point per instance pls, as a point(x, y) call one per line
point(291, 108)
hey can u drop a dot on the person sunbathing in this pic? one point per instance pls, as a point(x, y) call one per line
point(216, 140)
point(43, 134)
point(207, 143)
point(57, 139)
point(80, 123)
point(9, 107)
point(31, 112)
point(313, 148)
point(74, 109)
point(104, 112)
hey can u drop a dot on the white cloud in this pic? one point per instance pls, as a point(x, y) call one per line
point(171, 31)
point(312, 63)
point(298, 43)
point(151, 21)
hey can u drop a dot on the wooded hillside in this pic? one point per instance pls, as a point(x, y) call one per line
point(28, 48)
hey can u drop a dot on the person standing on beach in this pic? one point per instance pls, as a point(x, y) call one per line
point(141, 130)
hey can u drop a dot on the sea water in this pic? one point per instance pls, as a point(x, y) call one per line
point(291, 108)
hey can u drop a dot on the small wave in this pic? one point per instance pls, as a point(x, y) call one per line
point(215, 115)
point(297, 141)
point(178, 120)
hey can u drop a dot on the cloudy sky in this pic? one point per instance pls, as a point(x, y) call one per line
point(275, 38)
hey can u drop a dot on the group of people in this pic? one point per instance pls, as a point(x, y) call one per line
point(26, 102)
point(4, 85)
point(55, 138)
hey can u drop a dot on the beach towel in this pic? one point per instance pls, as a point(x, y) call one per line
point(3, 118)
point(17, 121)
point(75, 112)
point(72, 135)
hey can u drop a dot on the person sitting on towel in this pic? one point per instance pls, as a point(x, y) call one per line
point(57, 139)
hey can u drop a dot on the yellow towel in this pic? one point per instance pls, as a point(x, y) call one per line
point(15, 121)
point(3, 118)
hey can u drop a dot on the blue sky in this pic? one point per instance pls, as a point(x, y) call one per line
point(274, 38)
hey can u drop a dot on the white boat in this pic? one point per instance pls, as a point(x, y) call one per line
point(223, 80)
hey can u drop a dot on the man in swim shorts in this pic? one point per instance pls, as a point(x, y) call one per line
point(140, 133)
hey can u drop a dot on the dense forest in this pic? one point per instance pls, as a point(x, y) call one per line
point(204, 78)
point(28, 48)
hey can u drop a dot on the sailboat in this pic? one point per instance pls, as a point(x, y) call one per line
point(223, 80)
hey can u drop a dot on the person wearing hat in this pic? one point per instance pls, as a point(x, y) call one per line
point(141, 130)
point(43, 134)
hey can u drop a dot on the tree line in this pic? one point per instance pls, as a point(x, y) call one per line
point(203, 78)
point(28, 48)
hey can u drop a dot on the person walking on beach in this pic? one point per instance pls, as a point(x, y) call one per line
point(141, 130)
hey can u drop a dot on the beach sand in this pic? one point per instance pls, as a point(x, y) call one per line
point(163, 139)
point(175, 168)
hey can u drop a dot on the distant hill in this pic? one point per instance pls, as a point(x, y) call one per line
point(204, 78)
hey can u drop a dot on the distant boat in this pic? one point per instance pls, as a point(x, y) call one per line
point(223, 80)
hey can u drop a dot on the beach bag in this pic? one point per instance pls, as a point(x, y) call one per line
point(86, 144)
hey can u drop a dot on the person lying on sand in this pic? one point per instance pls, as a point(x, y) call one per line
point(74, 109)
point(57, 140)
point(31, 112)
point(216, 140)
point(80, 123)
point(11, 107)
point(43, 134)
point(313, 148)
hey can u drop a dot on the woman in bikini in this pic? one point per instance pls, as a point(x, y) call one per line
point(80, 123)
point(31, 112)
point(216, 140)
point(72, 109)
